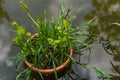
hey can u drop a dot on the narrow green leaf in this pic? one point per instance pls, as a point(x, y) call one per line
point(19, 75)
point(55, 72)
point(41, 76)
point(20, 64)
point(35, 22)
point(63, 7)
point(101, 74)
point(118, 24)
point(40, 48)
point(27, 74)
point(39, 19)
point(89, 23)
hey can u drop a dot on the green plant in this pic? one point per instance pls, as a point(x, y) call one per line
point(50, 46)
point(118, 24)
point(101, 74)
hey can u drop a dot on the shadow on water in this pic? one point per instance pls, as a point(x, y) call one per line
point(3, 14)
point(108, 11)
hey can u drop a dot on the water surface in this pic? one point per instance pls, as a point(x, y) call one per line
point(103, 56)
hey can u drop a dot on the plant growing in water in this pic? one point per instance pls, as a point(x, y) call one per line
point(52, 44)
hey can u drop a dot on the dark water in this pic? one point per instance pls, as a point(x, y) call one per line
point(104, 55)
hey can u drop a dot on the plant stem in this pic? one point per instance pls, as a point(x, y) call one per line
point(32, 19)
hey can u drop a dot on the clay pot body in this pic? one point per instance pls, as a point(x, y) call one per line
point(48, 74)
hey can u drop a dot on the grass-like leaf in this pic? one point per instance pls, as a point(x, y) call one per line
point(101, 74)
point(19, 75)
point(118, 24)
point(55, 72)
point(41, 75)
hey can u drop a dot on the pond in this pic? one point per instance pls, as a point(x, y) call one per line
point(105, 51)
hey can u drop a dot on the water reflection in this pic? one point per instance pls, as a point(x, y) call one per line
point(16, 13)
point(108, 11)
point(3, 14)
point(52, 9)
point(5, 65)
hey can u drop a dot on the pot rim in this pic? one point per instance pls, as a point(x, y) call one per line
point(50, 71)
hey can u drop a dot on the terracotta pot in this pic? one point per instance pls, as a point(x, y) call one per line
point(48, 71)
